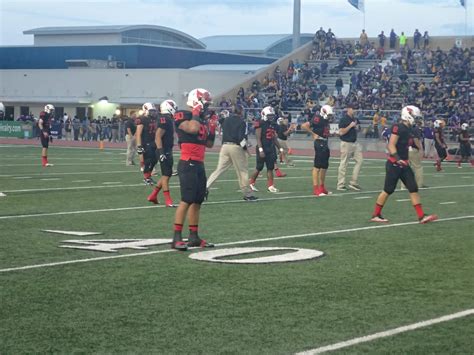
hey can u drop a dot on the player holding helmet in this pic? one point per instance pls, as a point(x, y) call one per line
point(397, 167)
point(145, 136)
point(164, 140)
point(44, 125)
point(265, 131)
point(195, 132)
point(319, 128)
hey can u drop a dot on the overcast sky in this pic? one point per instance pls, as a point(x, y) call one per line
point(201, 18)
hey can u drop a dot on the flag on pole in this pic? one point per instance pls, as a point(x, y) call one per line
point(463, 3)
point(359, 4)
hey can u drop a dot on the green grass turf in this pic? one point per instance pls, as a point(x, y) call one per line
point(368, 281)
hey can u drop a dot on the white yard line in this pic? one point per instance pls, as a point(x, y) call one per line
point(295, 236)
point(403, 200)
point(50, 179)
point(81, 181)
point(22, 177)
point(447, 203)
point(387, 333)
point(362, 197)
point(111, 182)
point(212, 202)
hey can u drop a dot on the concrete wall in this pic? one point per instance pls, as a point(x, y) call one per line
point(70, 88)
point(77, 40)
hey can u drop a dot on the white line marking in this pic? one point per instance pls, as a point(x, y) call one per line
point(23, 177)
point(387, 333)
point(111, 182)
point(206, 203)
point(2, 194)
point(80, 234)
point(80, 180)
point(295, 236)
point(362, 197)
point(447, 203)
point(50, 179)
point(403, 200)
point(61, 164)
point(466, 177)
point(282, 193)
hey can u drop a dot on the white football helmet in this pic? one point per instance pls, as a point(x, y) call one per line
point(224, 113)
point(464, 126)
point(437, 124)
point(268, 113)
point(199, 96)
point(49, 108)
point(410, 114)
point(168, 106)
point(147, 107)
point(280, 120)
point(326, 112)
point(2, 110)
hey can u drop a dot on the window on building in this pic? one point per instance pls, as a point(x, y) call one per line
point(58, 112)
point(24, 110)
point(10, 113)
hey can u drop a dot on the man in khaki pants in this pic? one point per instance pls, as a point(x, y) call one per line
point(130, 129)
point(349, 148)
point(234, 151)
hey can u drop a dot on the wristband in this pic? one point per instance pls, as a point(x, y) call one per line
point(260, 150)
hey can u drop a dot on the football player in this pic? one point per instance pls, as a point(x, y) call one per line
point(265, 131)
point(145, 137)
point(44, 124)
point(195, 133)
point(164, 140)
point(397, 167)
point(465, 145)
point(440, 144)
point(319, 128)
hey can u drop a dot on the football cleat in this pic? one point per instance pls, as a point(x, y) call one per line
point(342, 188)
point(355, 187)
point(253, 188)
point(428, 218)
point(250, 198)
point(149, 181)
point(272, 189)
point(198, 242)
point(153, 200)
point(179, 245)
point(379, 219)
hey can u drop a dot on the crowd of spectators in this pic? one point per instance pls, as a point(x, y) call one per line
point(439, 82)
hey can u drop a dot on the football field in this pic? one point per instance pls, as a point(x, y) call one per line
point(399, 288)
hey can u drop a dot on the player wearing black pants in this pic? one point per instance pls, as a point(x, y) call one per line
point(397, 167)
point(145, 136)
point(465, 145)
point(319, 129)
point(164, 140)
point(195, 133)
point(44, 124)
point(440, 144)
point(265, 131)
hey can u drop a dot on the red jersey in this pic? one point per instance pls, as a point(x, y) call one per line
point(193, 146)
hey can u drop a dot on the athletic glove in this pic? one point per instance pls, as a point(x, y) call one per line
point(160, 155)
point(212, 125)
point(140, 150)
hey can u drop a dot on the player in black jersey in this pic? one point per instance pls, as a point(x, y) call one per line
point(397, 167)
point(145, 136)
point(44, 125)
point(465, 145)
point(196, 131)
point(164, 141)
point(265, 131)
point(440, 144)
point(319, 128)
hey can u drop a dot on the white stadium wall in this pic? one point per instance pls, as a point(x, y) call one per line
point(70, 88)
point(77, 40)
